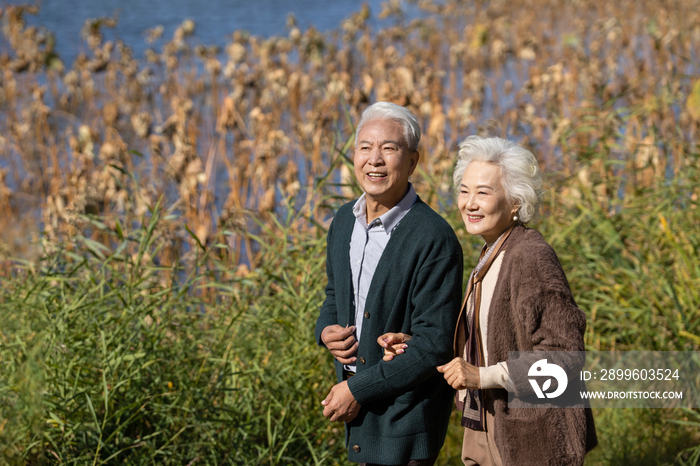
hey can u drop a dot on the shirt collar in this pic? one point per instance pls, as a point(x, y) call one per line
point(391, 218)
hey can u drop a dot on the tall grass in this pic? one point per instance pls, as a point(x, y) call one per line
point(169, 316)
point(241, 126)
point(108, 357)
point(632, 264)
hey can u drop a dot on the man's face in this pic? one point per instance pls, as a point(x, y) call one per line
point(383, 162)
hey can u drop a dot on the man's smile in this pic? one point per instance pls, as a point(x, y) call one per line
point(376, 175)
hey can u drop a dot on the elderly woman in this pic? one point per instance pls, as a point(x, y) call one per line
point(518, 299)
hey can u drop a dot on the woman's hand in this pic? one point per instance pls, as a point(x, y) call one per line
point(460, 374)
point(393, 344)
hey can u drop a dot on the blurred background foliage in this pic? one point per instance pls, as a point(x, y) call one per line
point(164, 218)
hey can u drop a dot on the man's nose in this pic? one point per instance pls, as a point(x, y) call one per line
point(375, 156)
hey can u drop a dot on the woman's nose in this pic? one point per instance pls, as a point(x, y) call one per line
point(471, 202)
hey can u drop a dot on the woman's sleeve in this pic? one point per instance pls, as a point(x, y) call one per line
point(495, 376)
point(548, 314)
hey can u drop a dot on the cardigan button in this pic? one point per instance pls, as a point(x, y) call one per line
point(366, 315)
point(362, 360)
point(356, 448)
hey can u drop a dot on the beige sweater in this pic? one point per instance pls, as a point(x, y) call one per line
point(495, 376)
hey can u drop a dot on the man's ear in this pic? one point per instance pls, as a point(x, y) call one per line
point(415, 156)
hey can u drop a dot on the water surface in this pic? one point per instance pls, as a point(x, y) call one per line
point(216, 20)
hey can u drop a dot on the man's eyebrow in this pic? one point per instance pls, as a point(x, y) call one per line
point(381, 143)
point(390, 141)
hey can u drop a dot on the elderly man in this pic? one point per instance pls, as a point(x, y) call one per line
point(393, 265)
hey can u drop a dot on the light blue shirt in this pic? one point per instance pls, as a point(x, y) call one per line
point(366, 247)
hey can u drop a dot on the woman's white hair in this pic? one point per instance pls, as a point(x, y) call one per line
point(520, 173)
point(393, 112)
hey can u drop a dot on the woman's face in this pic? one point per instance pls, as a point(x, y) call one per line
point(483, 203)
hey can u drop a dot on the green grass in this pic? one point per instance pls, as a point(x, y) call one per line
point(109, 357)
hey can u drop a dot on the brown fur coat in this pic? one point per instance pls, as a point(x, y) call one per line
point(532, 309)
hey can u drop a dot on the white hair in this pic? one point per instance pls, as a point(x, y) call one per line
point(392, 112)
point(520, 173)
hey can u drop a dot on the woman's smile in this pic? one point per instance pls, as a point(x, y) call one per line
point(485, 208)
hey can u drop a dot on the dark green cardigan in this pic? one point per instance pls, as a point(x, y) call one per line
point(416, 289)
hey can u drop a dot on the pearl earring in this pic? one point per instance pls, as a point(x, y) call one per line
point(515, 218)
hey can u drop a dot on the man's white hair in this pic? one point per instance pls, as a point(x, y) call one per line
point(392, 112)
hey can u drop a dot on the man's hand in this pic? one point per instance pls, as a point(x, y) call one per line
point(340, 405)
point(460, 374)
point(393, 344)
point(341, 342)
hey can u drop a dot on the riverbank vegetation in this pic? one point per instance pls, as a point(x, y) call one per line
point(163, 217)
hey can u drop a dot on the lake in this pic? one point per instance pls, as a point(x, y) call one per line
point(216, 20)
